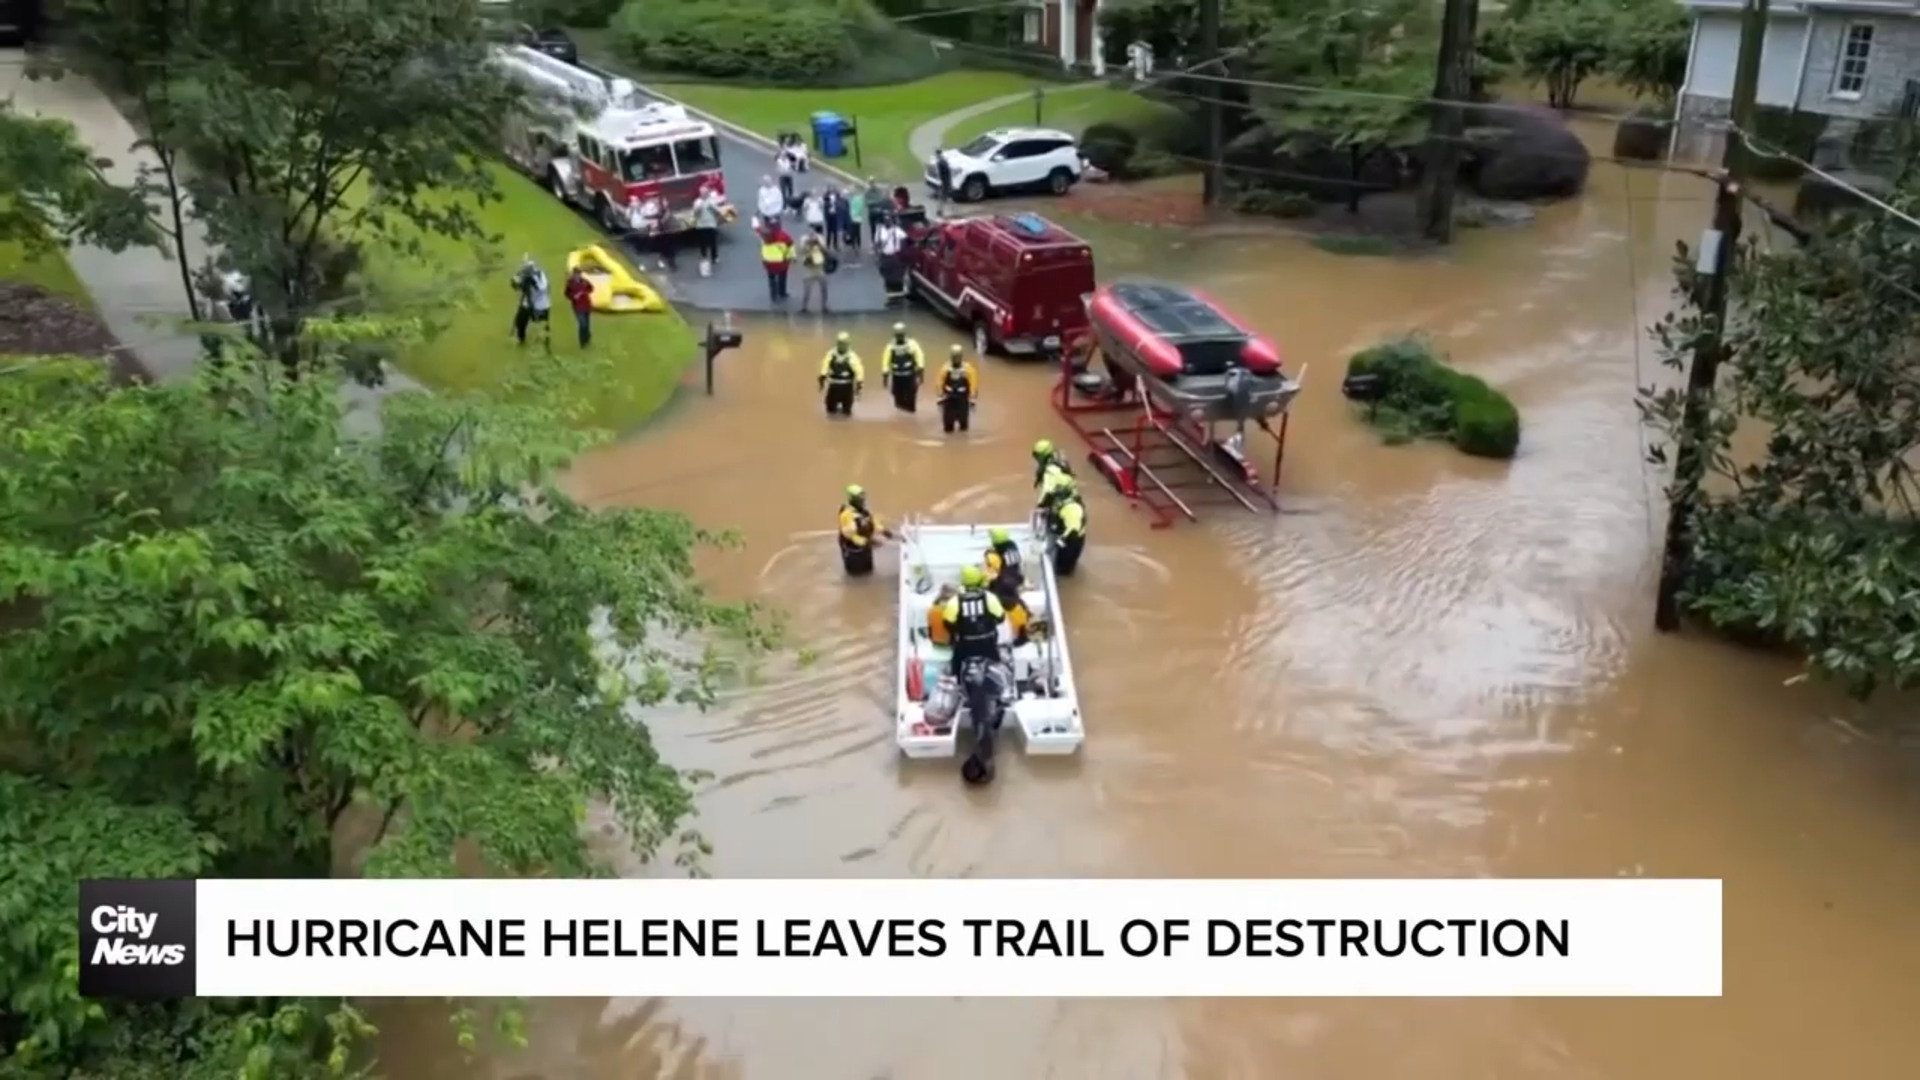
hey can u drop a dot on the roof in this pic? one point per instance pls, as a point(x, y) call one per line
point(1175, 313)
point(1029, 133)
point(1031, 230)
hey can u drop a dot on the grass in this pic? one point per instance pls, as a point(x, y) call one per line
point(48, 270)
point(1069, 110)
point(474, 348)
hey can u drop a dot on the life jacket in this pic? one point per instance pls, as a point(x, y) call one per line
point(900, 355)
point(862, 521)
point(839, 369)
point(975, 624)
point(936, 626)
point(1057, 516)
point(775, 253)
point(1053, 461)
point(955, 382)
point(1012, 576)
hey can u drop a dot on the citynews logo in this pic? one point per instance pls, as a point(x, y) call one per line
point(109, 919)
point(136, 939)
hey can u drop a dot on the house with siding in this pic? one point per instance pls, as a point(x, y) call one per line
point(1852, 61)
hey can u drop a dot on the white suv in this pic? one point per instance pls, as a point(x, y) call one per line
point(1011, 159)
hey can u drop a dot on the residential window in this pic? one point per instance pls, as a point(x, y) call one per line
point(1032, 25)
point(1850, 78)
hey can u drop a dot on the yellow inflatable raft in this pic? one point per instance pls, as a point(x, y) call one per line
point(615, 289)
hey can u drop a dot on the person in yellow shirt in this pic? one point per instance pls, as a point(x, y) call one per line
point(1006, 576)
point(1068, 524)
point(842, 376)
point(973, 619)
point(906, 369)
point(959, 390)
point(1045, 457)
point(1056, 484)
point(860, 532)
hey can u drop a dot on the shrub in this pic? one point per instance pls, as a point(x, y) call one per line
point(1792, 132)
point(593, 14)
point(734, 39)
point(1422, 398)
point(1280, 204)
point(1109, 147)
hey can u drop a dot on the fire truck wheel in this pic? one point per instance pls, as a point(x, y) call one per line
point(603, 210)
point(556, 185)
point(982, 341)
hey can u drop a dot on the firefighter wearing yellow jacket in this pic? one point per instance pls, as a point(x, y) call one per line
point(906, 369)
point(841, 376)
point(860, 532)
point(959, 391)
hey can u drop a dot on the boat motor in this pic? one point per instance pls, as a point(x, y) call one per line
point(984, 685)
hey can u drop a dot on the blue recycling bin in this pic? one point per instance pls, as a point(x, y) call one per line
point(830, 130)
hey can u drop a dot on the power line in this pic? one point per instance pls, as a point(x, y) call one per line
point(1774, 153)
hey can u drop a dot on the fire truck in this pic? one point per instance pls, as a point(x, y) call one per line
point(600, 145)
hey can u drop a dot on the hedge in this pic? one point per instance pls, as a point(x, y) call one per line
point(734, 39)
point(1420, 397)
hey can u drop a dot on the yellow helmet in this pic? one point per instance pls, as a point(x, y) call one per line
point(855, 491)
point(1042, 450)
point(842, 338)
point(998, 536)
point(899, 329)
point(971, 577)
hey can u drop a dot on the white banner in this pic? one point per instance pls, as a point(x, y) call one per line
point(958, 938)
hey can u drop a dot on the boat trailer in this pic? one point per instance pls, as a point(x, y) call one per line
point(1143, 446)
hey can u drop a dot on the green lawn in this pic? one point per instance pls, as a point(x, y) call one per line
point(649, 352)
point(1069, 110)
point(49, 271)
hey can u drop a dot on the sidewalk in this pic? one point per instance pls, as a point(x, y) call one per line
point(138, 292)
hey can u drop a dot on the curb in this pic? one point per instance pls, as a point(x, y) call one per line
point(720, 123)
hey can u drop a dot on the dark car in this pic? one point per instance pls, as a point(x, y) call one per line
point(554, 43)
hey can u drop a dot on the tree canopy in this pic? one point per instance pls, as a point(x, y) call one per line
point(233, 628)
point(1812, 540)
point(56, 193)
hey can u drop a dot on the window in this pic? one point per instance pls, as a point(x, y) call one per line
point(1033, 23)
point(644, 163)
point(696, 155)
point(1025, 148)
point(980, 147)
point(1856, 47)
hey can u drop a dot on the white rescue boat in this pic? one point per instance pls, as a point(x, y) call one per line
point(1036, 677)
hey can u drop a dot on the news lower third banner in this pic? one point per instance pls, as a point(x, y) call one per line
point(915, 938)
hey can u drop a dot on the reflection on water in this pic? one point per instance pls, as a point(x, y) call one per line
point(1427, 665)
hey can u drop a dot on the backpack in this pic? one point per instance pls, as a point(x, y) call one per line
point(831, 264)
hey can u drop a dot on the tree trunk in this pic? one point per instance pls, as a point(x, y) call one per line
point(1358, 160)
point(1452, 83)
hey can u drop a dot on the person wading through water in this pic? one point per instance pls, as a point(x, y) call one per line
point(859, 533)
point(959, 391)
point(841, 376)
point(906, 369)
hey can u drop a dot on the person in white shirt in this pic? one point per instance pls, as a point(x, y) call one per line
point(888, 242)
point(813, 212)
point(783, 165)
point(770, 202)
point(802, 157)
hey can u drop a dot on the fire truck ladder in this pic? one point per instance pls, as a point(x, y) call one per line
point(1147, 459)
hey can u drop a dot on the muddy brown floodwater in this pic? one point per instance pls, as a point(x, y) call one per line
point(1427, 665)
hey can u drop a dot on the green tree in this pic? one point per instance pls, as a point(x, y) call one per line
point(235, 628)
point(1374, 64)
point(1561, 43)
point(1648, 53)
point(298, 132)
point(1811, 543)
point(56, 193)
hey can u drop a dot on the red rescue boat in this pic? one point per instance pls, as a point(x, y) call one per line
point(1188, 352)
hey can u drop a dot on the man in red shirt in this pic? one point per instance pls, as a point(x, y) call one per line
point(776, 255)
point(580, 294)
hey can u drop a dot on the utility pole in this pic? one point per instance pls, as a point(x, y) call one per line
point(1452, 83)
point(1209, 57)
point(1716, 259)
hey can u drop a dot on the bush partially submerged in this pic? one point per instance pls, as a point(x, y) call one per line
point(1417, 396)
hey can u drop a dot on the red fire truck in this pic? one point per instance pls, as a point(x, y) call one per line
point(600, 144)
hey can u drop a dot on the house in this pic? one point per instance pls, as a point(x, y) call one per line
point(1069, 29)
point(1852, 60)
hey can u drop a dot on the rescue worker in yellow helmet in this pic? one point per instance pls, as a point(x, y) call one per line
point(1006, 576)
point(841, 376)
point(1067, 522)
point(973, 619)
point(860, 533)
point(959, 391)
point(1056, 483)
point(906, 369)
point(1046, 457)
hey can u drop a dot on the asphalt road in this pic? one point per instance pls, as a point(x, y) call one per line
point(738, 283)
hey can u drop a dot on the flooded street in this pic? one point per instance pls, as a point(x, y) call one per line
point(1426, 665)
